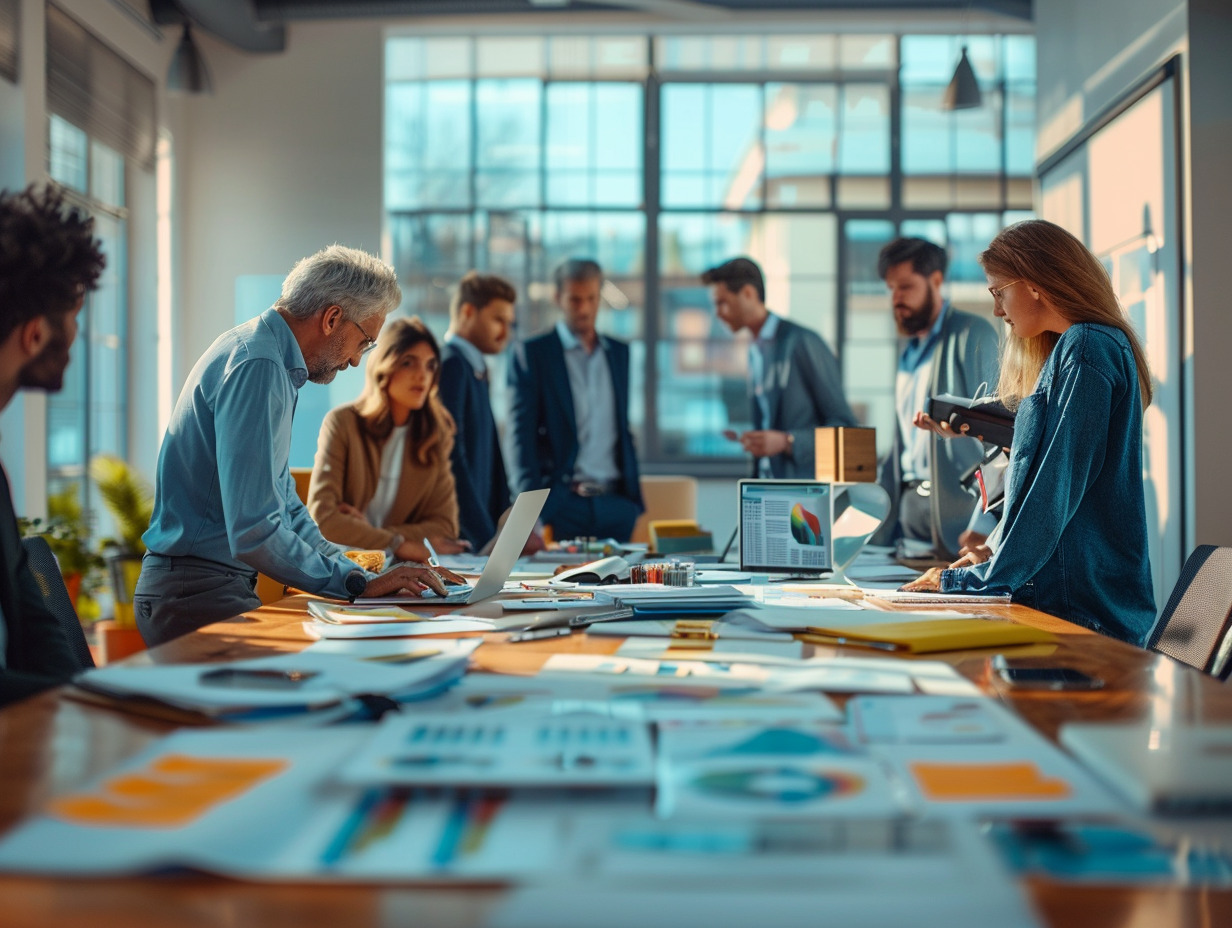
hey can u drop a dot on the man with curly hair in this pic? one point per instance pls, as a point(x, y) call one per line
point(49, 260)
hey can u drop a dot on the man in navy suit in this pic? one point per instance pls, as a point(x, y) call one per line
point(481, 321)
point(570, 406)
point(794, 381)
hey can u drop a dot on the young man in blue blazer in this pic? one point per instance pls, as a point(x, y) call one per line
point(481, 319)
point(570, 417)
point(794, 381)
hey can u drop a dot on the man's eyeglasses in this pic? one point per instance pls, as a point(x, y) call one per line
point(997, 291)
point(368, 343)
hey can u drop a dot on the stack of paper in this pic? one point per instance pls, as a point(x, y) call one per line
point(385, 621)
point(273, 687)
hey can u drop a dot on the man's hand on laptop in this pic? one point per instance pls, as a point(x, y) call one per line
point(413, 579)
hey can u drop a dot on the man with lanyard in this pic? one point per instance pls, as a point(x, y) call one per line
point(945, 351)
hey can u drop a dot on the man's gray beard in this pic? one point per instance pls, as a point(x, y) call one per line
point(326, 369)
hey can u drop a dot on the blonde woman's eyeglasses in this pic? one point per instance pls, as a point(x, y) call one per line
point(997, 291)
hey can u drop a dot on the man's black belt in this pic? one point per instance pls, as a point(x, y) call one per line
point(593, 487)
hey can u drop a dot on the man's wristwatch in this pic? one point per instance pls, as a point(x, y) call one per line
point(356, 582)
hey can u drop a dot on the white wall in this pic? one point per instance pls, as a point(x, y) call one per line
point(1090, 54)
point(281, 160)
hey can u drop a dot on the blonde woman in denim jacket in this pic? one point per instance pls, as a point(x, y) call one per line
point(1073, 538)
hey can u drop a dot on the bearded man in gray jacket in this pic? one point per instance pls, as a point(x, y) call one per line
point(945, 351)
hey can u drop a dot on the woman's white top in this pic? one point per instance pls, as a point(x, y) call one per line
point(391, 475)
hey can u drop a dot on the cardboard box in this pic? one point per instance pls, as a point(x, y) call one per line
point(846, 455)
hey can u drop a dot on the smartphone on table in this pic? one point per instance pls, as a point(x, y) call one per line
point(1034, 677)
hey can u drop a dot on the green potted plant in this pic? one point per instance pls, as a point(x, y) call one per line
point(130, 500)
point(67, 530)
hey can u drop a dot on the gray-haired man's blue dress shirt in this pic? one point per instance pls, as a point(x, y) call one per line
point(225, 493)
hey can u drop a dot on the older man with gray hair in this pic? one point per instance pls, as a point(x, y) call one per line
point(225, 502)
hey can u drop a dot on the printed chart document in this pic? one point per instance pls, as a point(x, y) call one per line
point(511, 749)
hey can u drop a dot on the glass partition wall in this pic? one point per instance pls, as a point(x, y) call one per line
point(662, 156)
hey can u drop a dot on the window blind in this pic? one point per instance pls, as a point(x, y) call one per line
point(97, 90)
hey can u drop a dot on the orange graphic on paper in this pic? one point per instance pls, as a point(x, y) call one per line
point(958, 782)
point(171, 792)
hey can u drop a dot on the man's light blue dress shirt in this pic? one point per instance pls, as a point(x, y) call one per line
point(224, 490)
point(594, 408)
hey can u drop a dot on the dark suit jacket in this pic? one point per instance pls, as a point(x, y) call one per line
point(543, 441)
point(478, 465)
point(37, 655)
point(805, 392)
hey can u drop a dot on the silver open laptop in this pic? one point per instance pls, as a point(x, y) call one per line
point(510, 541)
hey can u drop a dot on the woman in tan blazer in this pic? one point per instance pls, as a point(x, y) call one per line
point(382, 477)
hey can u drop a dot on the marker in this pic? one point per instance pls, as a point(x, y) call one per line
point(432, 559)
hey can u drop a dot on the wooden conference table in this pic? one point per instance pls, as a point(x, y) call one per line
point(52, 744)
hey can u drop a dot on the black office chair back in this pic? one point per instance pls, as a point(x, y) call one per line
point(55, 596)
point(1195, 624)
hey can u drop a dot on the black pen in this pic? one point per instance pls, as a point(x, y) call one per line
point(534, 634)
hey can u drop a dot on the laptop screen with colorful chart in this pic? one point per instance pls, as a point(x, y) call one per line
point(785, 526)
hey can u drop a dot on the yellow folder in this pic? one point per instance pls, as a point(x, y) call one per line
point(936, 635)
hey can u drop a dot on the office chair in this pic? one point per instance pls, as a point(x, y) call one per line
point(1195, 626)
point(55, 596)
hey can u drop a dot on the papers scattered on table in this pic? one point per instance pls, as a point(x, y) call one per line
point(798, 770)
point(652, 700)
point(394, 649)
point(337, 614)
point(522, 749)
point(746, 650)
point(268, 688)
point(974, 757)
point(445, 625)
point(682, 672)
point(900, 597)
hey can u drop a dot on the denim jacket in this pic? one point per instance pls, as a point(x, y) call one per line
point(1074, 540)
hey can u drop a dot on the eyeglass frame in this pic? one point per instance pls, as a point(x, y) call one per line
point(369, 341)
point(997, 291)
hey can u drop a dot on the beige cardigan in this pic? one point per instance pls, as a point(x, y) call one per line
point(347, 470)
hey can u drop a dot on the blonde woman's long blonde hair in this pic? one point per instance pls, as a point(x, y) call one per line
point(430, 436)
point(1058, 265)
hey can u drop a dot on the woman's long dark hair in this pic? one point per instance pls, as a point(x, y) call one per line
point(430, 436)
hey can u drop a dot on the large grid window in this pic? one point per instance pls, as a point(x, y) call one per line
point(90, 415)
point(662, 156)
